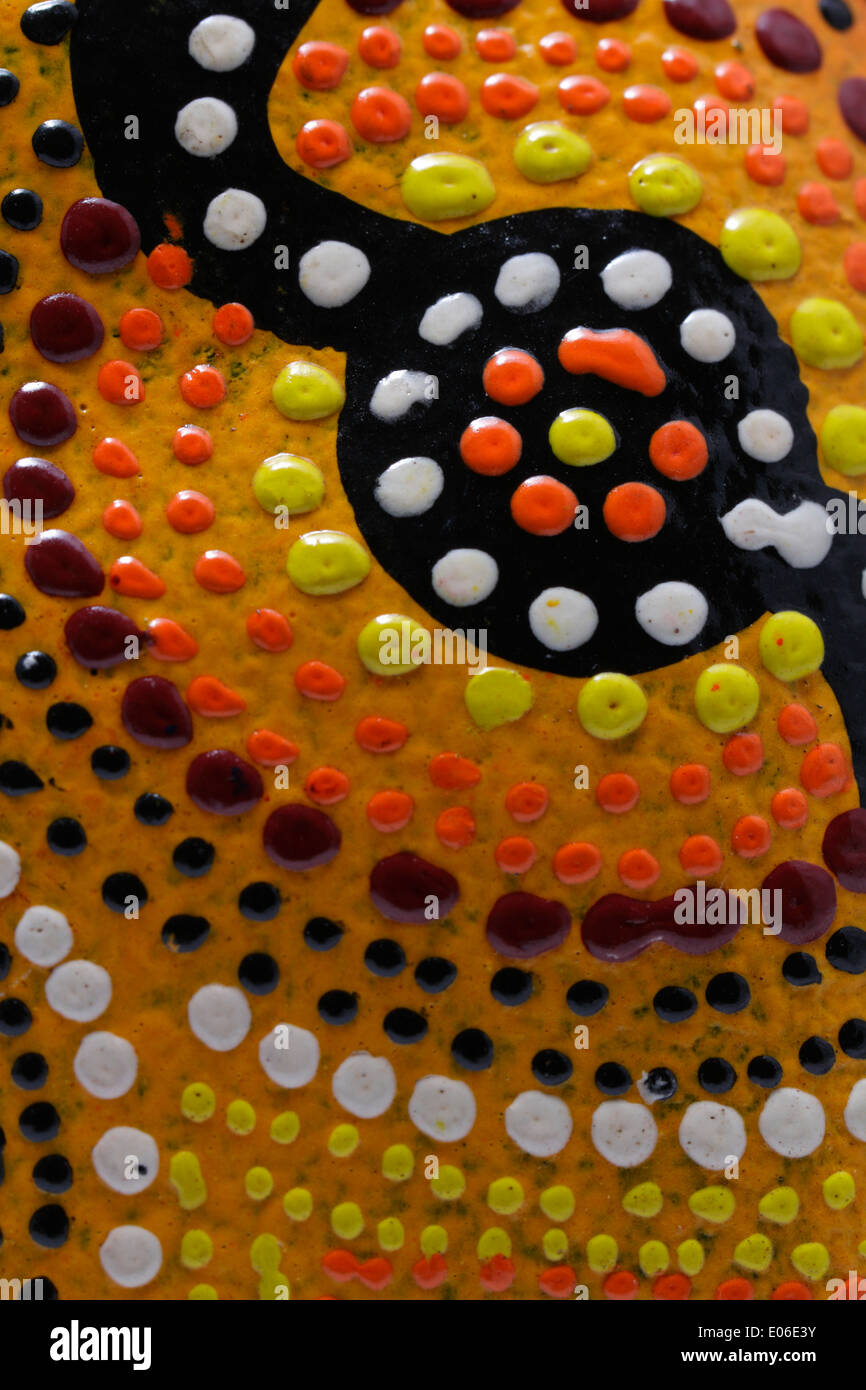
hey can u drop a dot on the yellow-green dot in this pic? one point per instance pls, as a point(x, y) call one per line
point(664, 186)
point(274, 1286)
point(185, 1176)
point(203, 1293)
point(398, 1163)
point(781, 1205)
point(298, 1203)
point(391, 1234)
point(826, 334)
point(843, 439)
point(811, 1259)
point(644, 1200)
point(289, 481)
point(343, 1140)
point(714, 1204)
point(839, 1190)
point(653, 1258)
point(434, 1240)
point(791, 646)
point(449, 1185)
point(581, 437)
point(861, 1248)
point(436, 187)
point(327, 562)
point(196, 1249)
point(690, 1257)
point(726, 697)
point(494, 1241)
point(240, 1117)
point(346, 1220)
point(197, 1102)
point(557, 1202)
point(760, 245)
point(554, 1243)
point(505, 1196)
point(265, 1252)
point(611, 705)
point(306, 391)
point(285, 1127)
point(547, 152)
point(259, 1183)
point(497, 696)
point(602, 1253)
point(393, 645)
point(754, 1253)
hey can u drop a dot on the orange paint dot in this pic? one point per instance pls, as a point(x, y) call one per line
point(743, 754)
point(734, 81)
point(380, 47)
point(711, 112)
point(380, 115)
point(271, 750)
point(455, 827)
point(442, 95)
point(614, 354)
point(490, 446)
point(208, 696)
point(645, 104)
point(430, 1271)
point(854, 265)
point(790, 808)
point(390, 810)
point(326, 786)
point(442, 42)
point(679, 64)
point(638, 869)
point(170, 641)
point(219, 572)
point(860, 198)
point(269, 630)
point(734, 1291)
point(577, 862)
point(622, 1285)
point(190, 512)
point(796, 725)
point(495, 45)
point(791, 1291)
point(497, 1275)
point(526, 801)
point(192, 445)
point(376, 734)
point(115, 459)
point(795, 115)
point(672, 1287)
point(515, 854)
point(582, 96)
point(559, 1282)
point(634, 512)
point(319, 66)
point(121, 520)
point(451, 772)
point(169, 267)
point(612, 55)
point(835, 160)
point(824, 771)
point(690, 783)
point(318, 681)
point(512, 376)
point(233, 324)
point(543, 506)
point(558, 49)
point(203, 386)
point(119, 383)
point(751, 837)
point(140, 329)
point(507, 96)
point(322, 144)
point(816, 204)
point(341, 1265)
point(128, 576)
point(700, 856)
point(765, 165)
point(679, 450)
point(617, 792)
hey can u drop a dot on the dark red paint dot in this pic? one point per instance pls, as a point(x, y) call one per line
point(221, 782)
point(37, 480)
point(482, 9)
point(808, 900)
point(852, 104)
point(406, 888)
point(600, 11)
point(99, 236)
point(154, 713)
point(617, 927)
point(300, 837)
point(98, 637)
point(521, 925)
point(701, 19)
point(844, 849)
point(42, 414)
point(374, 6)
point(59, 564)
point(65, 328)
point(787, 41)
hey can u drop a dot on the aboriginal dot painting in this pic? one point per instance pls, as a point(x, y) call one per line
point(432, 596)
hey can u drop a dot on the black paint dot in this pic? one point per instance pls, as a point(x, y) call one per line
point(153, 809)
point(716, 1075)
point(49, 1226)
point(119, 887)
point(8, 272)
point(587, 997)
point(5, 960)
point(48, 22)
point(846, 950)
point(852, 1037)
point(472, 1049)
point(259, 973)
point(837, 14)
point(551, 1068)
point(66, 836)
point(22, 209)
point(817, 1056)
point(728, 993)
point(764, 1071)
point(511, 986)
point(799, 968)
point(193, 857)
point(321, 934)
point(660, 1083)
point(405, 1026)
point(339, 1006)
point(9, 86)
point(434, 974)
point(259, 902)
point(185, 932)
point(30, 1071)
point(67, 720)
point(385, 957)
point(674, 1003)
point(58, 143)
point(36, 670)
point(12, 615)
point(39, 1122)
point(110, 762)
point(17, 779)
point(612, 1079)
point(15, 1018)
point(53, 1173)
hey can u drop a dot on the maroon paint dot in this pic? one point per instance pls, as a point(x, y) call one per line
point(787, 41)
point(701, 19)
point(65, 328)
point(852, 104)
point(42, 414)
point(98, 637)
point(617, 928)
point(154, 713)
point(221, 782)
point(59, 564)
point(482, 9)
point(99, 236)
point(844, 849)
point(808, 900)
point(37, 480)
point(299, 837)
point(402, 884)
point(521, 925)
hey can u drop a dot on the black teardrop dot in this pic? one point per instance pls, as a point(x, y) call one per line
point(119, 888)
point(716, 1075)
point(259, 973)
point(67, 720)
point(852, 1037)
point(5, 960)
point(15, 1018)
point(30, 1071)
point(385, 957)
point(511, 986)
point(8, 275)
point(764, 1071)
point(612, 1079)
point(17, 779)
point(321, 934)
point(659, 1084)
point(817, 1056)
point(35, 670)
point(674, 1003)
point(434, 974)
point(837, 14)
point(472, 1049)
point(728, 993)
point(48, 22)
point(404, 1025)
point(193, 857)
point(9, 86)
point(339, 1006)
point(21, 209)
point(152, 809)
point(183, 932)
point(53, 1173)
point(587, 997)
point(846, 950)
point(39, 1122)
point(109, 762)
point(799, 968)
point(58, 143)
point(66, 836)
point(259, 902)
point(49, 1226)
point(12, 614)
point(551, 1067)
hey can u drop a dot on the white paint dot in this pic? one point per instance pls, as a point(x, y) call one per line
point(855, 1110)
point(712, 1134)
point(765, 435)
point(624, 1132)
point(126, 1159)
point(10, 869)
point(801, 537)
point(205, 127)
point(792, 1122)
point(289, 1055)
point(43, 935)
point(708, 335)
point(397, 392)
point(333, 273)
point(131, 1256)
point(221, 43)
point(637, 279)
point(562, 619)
point(410, 486)
point(538, 1124)
point(364, 1085)
point(79, 989)
point(442, 1109)
point(674, 613)
point(234, 219)
point(219, 1016)
point(105, 1065)
point(463, 577)
point(527, 283)
point(449, 317)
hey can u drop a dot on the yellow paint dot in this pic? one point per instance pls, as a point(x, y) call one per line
point(265, 1252)
point(557, 1203)
point(298, 1204)
point(690, 1257)
point(754, 1253)
point(398, 1163)
point(274, 1286)
point(346, 1220)
point(285, 1128)
point(202, 1293)
point(839, 1190)
point(505, 1196)
point(391, 1234)
point(344, 1140)
point(186, 1178)
point(197, 1102)
point(434, 1240)
point(196, 1249)
point(259, 1183)
point(240, 1117)
point(494, 1241)
point(644, 1200)
point(781, 1205)
point(555, 1245)
point(601, 1253)
point(653, 1258)
point(497, 696)
point(714, 1204)
point(450, 1183)
point(812, 1260)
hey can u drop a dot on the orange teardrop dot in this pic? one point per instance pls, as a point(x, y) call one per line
point(219, 572)
point(270, 749)
point(171, 642)
point(116, 459)
point(208, 696)
point(121, 520)
point(131, 578)
point(269, 630)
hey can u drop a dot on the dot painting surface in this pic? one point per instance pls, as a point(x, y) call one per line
point(432, 723)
